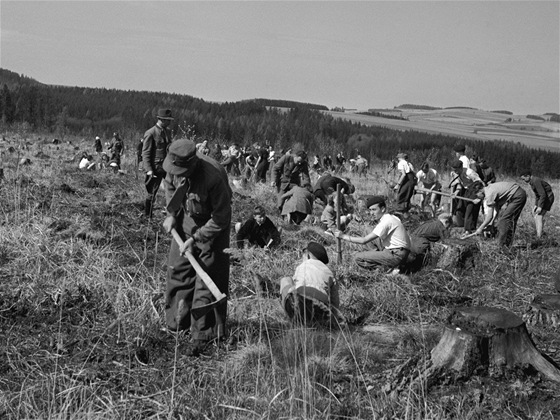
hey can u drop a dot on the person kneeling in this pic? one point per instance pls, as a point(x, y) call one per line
point(311, 295)
point(389, 237)
point(258, 230)
point(328, 217)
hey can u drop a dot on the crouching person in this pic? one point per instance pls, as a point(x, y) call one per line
point(311, 294)
point(258, 230)
point(328, 217)
point(423, 236)
point(390, 240)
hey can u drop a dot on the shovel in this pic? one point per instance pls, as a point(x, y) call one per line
point(199, 312)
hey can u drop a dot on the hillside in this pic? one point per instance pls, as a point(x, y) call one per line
point(467, 123)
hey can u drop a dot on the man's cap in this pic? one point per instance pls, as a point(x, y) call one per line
point(180, 156)
point(376, 199)
point(97, 138)
point(164, 114)
point(318, 251)
point(459, 148)
point(525, 172)
point(456, 164)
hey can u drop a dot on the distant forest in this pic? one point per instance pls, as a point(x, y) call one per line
point(29, 107)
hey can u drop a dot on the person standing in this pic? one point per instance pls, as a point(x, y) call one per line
point(262, 164)
point(154, 150)
point(544, 198)
point(198, 199)
point(98, 146)
point(508, 200)
point(389, 237)
point(116, 148)
point(460, 154)
point(405, 184)
point(466, 183)
point(488, 175)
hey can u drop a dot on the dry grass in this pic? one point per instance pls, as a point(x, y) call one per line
point(81, 315)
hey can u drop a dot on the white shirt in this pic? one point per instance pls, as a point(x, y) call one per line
point(404, 166)
point(465, 160)
point(392, 232)
point(313, 273)
point(428, 178)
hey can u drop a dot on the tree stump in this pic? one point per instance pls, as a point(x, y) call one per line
point(545, 310)
point(475, 341)
point(454, 253)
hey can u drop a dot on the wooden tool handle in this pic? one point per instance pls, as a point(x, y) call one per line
point(199, 270)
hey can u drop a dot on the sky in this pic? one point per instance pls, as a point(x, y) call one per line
point(491, 55)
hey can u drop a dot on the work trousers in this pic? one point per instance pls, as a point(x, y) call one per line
point(405, 193)
point(185, 289)
point(152, 184)
point(508, 216)
point(380, 256)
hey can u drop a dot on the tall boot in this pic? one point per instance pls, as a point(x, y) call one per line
point(148, 206)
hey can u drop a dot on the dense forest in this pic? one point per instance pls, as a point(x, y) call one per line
point(27, 106)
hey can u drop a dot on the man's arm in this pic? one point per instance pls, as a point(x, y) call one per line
point(221, 214)
point(148, 145)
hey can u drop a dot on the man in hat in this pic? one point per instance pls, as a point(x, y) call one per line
point(507, 199)
point(313, 280)
point(292, 169)
point(199, 206)
point(154, 150)
point(389, 237)
point(544, 198)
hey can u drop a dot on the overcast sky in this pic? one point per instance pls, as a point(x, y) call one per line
point(492, 55)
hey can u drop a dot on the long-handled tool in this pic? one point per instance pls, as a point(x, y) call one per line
point(338, 211)
point(218, 295)
point(426, 190)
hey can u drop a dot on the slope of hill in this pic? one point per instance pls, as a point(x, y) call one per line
point(467, 123)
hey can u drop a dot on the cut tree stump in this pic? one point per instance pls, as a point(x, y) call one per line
point(544, 310)
point(475, 341)
point(454, 253)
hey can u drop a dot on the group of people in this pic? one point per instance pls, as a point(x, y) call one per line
point(198, 206)
point(100, 159)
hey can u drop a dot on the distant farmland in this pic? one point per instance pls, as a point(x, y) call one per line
point(468, 123)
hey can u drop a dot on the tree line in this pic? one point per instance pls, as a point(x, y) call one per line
point(29, 106)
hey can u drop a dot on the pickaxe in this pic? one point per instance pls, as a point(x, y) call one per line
point(426, 190)
point(199, 312)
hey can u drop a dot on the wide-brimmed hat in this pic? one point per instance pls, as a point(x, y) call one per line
point(164, 114)
point(180, 156)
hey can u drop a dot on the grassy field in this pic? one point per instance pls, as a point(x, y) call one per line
point(468, 123)
point(82, 329)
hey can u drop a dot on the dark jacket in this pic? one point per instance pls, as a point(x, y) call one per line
point(258, 235)
point(287, 172)
point(154, 148)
